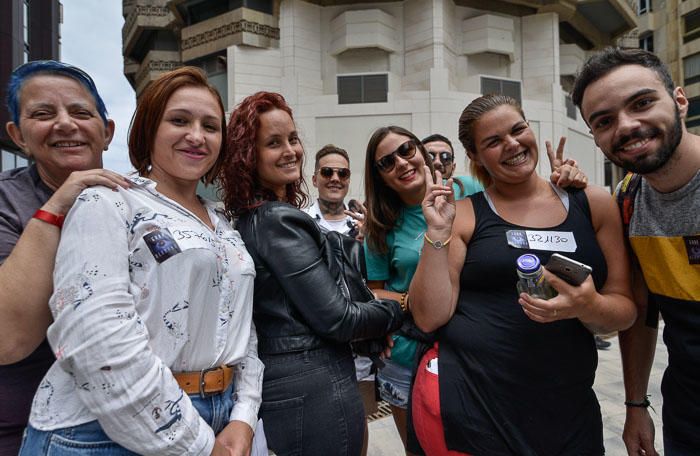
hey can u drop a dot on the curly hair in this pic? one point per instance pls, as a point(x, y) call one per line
point(384, 205)
point(240, 185)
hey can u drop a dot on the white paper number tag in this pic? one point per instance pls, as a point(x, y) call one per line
point(554, 241)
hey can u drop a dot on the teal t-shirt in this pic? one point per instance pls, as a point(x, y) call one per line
point(470, 184)
point(397, 266)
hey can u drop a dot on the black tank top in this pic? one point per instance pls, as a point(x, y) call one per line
point(509, 385)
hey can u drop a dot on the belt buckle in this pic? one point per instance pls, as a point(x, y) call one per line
point(202, 382)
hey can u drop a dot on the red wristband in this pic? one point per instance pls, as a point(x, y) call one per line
point(48, 217)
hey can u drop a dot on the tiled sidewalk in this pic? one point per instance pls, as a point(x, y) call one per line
point(385, 441)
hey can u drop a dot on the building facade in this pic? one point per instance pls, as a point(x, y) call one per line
point(29, 30)
point(349, 67)
point(671, 29)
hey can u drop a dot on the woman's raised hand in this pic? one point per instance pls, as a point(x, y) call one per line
point(438, 203)
point(565, 173)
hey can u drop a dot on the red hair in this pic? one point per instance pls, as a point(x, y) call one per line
point(149, 114)
point(238, 177)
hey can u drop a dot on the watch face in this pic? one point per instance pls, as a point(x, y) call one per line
point(438, 244)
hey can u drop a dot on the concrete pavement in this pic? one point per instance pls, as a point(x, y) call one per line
point(385, 441)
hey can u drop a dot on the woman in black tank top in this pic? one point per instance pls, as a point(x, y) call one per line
point(516, 372)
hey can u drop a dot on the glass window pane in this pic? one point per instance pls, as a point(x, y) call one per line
point(570, 108)
point(8, 160)
point(694, 107)
point(691, 69)
point(512, 89)
point(375, 88)
point(490, 85)
point(692, 21)
point(349, 89)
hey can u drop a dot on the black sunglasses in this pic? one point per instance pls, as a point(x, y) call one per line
point(406, 151)
point(327, 172)
point(445, 157)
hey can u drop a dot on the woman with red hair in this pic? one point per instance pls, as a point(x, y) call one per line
point(311, 403)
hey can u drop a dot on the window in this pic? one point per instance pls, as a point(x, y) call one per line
point(644, 6)
point(693, 117)
point(195, 11)
point(25, 29)
point(607, 173)
point(214, 65)
point(570, 107)
point(8, 160)
point(691, 26)
point(501, 87)
point(363, 88)
point(691, 69)
point(11, 160)
point(646, 42)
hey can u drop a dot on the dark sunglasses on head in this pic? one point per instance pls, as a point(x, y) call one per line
point(406, 151)
point(445, 157)
point(327, 172)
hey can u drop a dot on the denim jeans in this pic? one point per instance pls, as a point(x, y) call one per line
point(90, 439)
point(394, 382)
point(676, 448)
point(311, 403)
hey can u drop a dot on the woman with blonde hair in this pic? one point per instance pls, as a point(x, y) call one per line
point(513, 373)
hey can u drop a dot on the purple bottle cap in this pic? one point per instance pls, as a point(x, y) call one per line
point(528, 262)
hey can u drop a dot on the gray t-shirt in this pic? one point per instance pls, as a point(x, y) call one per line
point(22, 192)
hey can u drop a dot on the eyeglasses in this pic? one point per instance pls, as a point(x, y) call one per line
point(406, 151)
point(327, 172)
point(445, 156)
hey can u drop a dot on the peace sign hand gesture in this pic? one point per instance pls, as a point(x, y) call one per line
point(565, 173)
point(438, 204)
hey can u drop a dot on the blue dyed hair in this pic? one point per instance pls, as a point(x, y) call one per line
point(24, 72)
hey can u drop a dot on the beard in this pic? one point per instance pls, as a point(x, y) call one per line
point(656, 160)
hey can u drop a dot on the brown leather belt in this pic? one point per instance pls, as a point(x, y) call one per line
point(205, 382)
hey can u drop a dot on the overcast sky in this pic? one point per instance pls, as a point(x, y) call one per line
point(91, 39)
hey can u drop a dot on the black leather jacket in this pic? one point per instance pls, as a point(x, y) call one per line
point(297, 303)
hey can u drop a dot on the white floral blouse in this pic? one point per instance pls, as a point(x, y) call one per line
point(143, 288)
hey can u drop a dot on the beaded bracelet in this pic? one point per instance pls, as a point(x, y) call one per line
point(644, 403)
point(403, 302)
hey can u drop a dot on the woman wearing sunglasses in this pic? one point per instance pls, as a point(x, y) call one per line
point(311, 404)
point(394, 187)
point(395, 174)
point(515, 373)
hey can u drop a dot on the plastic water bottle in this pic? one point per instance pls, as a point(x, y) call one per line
point(531, 278)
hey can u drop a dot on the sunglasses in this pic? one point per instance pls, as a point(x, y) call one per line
point(445, 157)
point(406, 151)
point(327, 172)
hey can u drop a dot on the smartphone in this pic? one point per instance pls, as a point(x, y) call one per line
point(567, 269)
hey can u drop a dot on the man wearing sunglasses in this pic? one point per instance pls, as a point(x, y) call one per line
point(332, 179)
point(442, 153)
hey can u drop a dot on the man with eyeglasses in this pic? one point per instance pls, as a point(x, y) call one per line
point(442, 153)
point(332, 179)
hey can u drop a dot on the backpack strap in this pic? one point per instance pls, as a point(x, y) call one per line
point(625, 201)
